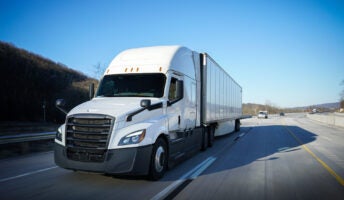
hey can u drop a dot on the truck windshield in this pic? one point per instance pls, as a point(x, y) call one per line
point(132, 85)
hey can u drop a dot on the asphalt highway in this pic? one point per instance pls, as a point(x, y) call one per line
point(290, 157)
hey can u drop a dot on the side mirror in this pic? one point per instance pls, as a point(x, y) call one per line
point(60, 104)
point(91, 91)
point(145, 103)
point(180, 89)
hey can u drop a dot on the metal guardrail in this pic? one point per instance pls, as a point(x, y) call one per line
point(246, 116)
point(27, 137)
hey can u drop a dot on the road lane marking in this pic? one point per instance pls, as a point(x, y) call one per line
point(26, 174)
point(188, 177)
point(329, 169)
point(240, 136)
point(283, 149)
point(326, 138)
point(192, 174)
point(203, 168)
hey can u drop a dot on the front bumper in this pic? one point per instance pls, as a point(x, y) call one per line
point(128, 161)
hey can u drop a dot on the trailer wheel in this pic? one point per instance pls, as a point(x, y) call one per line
point(159, 159)
point(211, 136)
point(237, 125)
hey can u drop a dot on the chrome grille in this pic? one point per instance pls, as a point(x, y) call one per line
point(87, 137)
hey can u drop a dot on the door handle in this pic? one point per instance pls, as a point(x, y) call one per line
point(178, 119)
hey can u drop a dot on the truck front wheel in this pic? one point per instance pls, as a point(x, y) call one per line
point(159, 158)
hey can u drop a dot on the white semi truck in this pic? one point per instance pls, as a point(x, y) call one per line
point(154, 106)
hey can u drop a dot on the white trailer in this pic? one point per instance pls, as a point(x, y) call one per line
point(154, 106)
point(221, 97)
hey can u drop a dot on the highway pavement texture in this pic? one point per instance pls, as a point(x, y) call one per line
point(288, 157)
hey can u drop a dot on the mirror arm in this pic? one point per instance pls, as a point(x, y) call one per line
point(60, 104)
point(91, 91)
point(62, 110)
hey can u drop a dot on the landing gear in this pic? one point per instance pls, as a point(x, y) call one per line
point(211, 135)
point(205, 139)
point(237, 125)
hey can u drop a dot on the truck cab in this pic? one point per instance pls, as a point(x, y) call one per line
point(142, 117)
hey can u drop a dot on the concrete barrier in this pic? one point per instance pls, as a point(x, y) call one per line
point(335, 119)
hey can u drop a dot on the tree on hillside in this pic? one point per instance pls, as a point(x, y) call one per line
point(30, 84)
point(98, 70)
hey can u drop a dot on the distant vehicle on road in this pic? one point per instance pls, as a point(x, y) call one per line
point(282, 114)
point(263, 114)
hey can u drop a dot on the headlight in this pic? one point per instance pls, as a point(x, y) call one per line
point(59, 133)
point(133, 138)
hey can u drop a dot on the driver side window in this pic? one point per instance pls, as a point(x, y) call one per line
point(172, 94)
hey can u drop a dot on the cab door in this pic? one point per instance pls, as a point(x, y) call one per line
point(175, 105)
point(175, 113)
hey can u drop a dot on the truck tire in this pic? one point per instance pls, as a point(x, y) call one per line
point(237, 125)
point(159, 159)
point(211, 136)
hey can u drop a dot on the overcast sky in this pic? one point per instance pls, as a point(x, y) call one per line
point(289, 53)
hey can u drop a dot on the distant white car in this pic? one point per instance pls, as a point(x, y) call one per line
point(263, 114)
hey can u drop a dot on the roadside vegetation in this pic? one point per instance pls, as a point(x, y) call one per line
point(30, 84)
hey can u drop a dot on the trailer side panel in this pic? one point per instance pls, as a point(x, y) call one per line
point(221, 94)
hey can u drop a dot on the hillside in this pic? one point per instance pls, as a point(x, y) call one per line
point(28, 81)
point(325, 106)
point(253, 109)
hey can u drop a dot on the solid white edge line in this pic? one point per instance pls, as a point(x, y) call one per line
point(26, 174)
point(196, 170)
point(203, 168)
